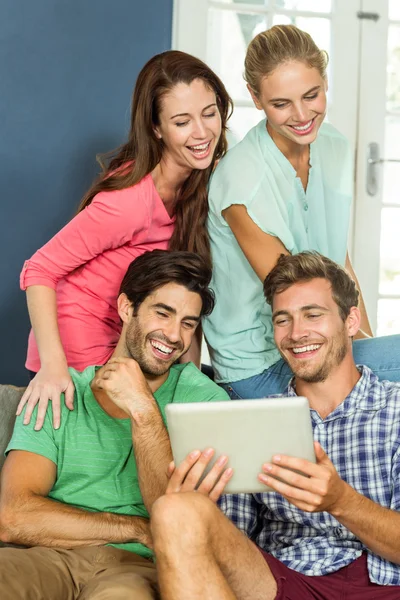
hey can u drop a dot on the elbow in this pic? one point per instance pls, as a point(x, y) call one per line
point(9, 525)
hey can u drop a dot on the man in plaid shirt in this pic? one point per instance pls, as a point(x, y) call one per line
point(332, 533)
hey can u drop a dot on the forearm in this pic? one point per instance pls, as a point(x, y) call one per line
point(42, 306)
point(39, 521)
point(152, 453)
point(375, 526)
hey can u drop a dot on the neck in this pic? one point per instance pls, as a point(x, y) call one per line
point(295, 153)
point(153, 381)
point(325, 396)
point(168, 179)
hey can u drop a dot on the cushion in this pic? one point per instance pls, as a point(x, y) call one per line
point(9, 398)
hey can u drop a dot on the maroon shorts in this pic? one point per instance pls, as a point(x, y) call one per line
point(350, 583)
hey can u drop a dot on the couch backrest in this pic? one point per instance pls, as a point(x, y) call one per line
point(9, 398)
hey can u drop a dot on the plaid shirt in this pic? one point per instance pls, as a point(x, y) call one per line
point(362, 439)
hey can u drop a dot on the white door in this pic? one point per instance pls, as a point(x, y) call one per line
point(377, 215)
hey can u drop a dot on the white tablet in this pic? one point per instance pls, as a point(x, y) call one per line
point(249, 432)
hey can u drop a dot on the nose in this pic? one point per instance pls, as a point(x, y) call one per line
point(199, 129)
point(299, 330)
point(173, 331)
point(300, 113)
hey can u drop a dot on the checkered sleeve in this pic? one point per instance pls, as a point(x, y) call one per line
point(242, 510)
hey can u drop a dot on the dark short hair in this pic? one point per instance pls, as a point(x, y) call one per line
point(291, 269)
point(154, 269)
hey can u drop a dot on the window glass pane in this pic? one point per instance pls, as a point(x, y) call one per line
point(261, 2)
point(393, 69)
point(394, 10)
point(388, 317)
point(242, 120)
point(229, 35)
point(310, 5)
point(389, 279)
point(319, 29)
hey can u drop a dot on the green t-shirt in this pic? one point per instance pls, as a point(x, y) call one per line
point(96, 467)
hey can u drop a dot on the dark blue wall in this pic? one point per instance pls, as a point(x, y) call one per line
point(67, 70)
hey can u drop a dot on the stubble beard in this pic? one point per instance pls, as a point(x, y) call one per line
point(136, 348)
point(335, 356)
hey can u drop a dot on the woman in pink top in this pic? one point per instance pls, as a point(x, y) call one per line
point(153, 194)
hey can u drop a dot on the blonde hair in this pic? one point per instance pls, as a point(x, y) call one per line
point(278, 45)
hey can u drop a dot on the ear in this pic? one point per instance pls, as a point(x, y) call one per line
point(157, 133)
point(353, 321)
point(254, 98)
point(125, 308)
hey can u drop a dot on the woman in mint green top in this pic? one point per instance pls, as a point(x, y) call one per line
point(286, 187)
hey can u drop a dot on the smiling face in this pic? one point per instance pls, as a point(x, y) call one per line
point(162, 328)
point(190, 125)
point(309, 332)
point(293, 98)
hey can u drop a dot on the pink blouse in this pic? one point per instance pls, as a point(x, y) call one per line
point(85, 263)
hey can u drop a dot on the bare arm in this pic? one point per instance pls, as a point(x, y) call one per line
point(261, 249)
point(124, 383)
point(53, 377)
point(365, 330)
point(29, 518)
point(377, 527)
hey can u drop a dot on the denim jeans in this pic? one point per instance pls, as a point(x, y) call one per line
point(380, 354)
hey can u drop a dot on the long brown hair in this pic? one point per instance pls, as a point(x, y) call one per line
point(135, 159)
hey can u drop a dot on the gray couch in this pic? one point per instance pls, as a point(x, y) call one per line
point(9, 398)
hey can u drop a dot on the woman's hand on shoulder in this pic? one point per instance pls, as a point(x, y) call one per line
point(48, 384)
point(261, 249)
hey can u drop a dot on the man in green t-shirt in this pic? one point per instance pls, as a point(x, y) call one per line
point(79, 496)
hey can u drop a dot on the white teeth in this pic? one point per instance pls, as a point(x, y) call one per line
point(200, 146)
point(161, 347)
point(303, 127)
point(306, 348)
point(200, 149)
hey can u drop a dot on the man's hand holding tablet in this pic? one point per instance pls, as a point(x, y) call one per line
point(248, 432)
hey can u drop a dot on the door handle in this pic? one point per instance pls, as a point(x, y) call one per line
point(373, 160)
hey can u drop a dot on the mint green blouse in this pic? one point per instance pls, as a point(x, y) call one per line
point(256, 174)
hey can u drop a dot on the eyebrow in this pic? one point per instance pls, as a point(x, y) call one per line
point(313, 89)
point(187, 114)
point(305, 308)
point(172, 311)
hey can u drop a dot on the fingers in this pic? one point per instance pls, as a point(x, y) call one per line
point(215, 481)
point(30, 402)
point(219, 487)
point(304, 499)
point(197, 471)
point(178, 476)
point(188, 475)
point(24, 399)
point(41, 412)
point(296, 464)
point(69, 396)
point(170, 469)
